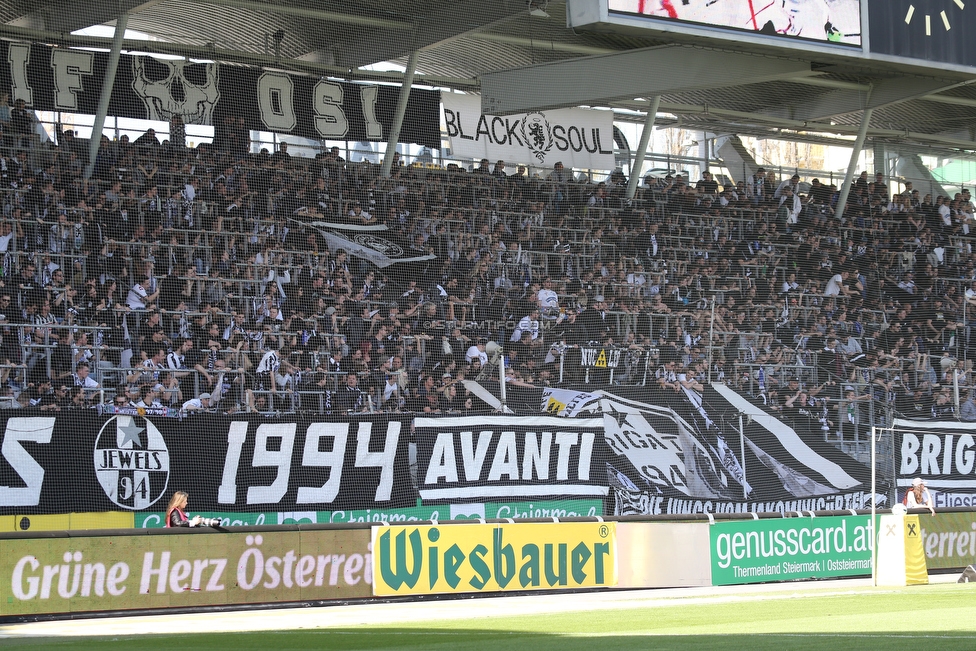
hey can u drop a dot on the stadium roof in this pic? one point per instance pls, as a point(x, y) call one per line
point(462, 41)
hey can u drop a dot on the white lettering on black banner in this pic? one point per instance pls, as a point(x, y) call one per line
point(600, 357)
point(467, 458)
point(941, 453)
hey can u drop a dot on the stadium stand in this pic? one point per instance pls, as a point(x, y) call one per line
point(178, 272)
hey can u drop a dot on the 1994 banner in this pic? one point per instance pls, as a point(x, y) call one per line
point(83, 462)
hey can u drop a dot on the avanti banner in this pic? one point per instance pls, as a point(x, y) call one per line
point(471, 458)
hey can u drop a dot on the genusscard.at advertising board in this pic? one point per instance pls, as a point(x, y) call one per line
point(783, 549)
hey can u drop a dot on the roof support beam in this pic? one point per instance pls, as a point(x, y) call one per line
point(825, 82)
point(444, 23)
point(317, 14)
point(948, 99)
point(636, 73)
point(66, 16)
point(740, 120)
point(645, 138)
point(885, 92)
point(401, 110)
point(233, 56)
point(555, 46)
point(862, 134)
point(108, 83)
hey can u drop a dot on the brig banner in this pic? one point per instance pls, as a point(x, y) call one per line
point(943, 454)
point(123, 572)
point(493, 557)
point(786, 549)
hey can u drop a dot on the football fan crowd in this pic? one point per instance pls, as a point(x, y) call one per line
point(206, 278)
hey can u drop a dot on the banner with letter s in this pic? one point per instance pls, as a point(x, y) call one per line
point(82, 462)
point(150, 88)
point(579, 138)
point(441, 559)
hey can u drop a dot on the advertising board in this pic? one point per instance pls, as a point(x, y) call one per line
point(785, 549)
point(412, 560)
point(488, 511)
point(60, 575)
point(949, 539)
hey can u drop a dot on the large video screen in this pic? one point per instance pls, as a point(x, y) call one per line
point(829, 21)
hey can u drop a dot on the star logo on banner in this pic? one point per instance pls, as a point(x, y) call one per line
point(131, 433)
point(619, 416)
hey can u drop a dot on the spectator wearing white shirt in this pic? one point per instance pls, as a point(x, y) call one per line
point(790, 206)
point(82, 378)
point(139, 297)
point(835, 286)
point(477, 351)
point(547, 298)
point(790, 284)
point(198, 404)
point(527, 325)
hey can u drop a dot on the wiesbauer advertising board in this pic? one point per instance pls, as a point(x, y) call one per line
point(493, 557)
point(59, 575)
point(759, 551)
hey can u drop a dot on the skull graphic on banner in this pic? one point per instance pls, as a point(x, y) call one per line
point(183, 88)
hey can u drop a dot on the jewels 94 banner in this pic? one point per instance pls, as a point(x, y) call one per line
point(83, 462)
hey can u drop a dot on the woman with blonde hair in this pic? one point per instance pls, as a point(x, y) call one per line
point(176, 512)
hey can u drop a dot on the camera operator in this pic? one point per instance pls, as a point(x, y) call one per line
point(176, 512)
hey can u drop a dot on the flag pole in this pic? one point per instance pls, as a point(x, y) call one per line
point(874, 506)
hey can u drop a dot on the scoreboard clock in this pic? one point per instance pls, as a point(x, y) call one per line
point(933, 30)
point(923, 12)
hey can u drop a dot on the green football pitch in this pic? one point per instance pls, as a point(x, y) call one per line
point(940, 617)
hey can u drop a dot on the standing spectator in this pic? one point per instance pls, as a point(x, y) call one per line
point(349, 398)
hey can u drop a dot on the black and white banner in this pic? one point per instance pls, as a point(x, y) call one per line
point(943, 454)
point(578, 138)
point(568, 402)
point(83, 462)
point(57, 79)
point(489, 457)
point(696, 461)
point(600, 357)
point(374, 243)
